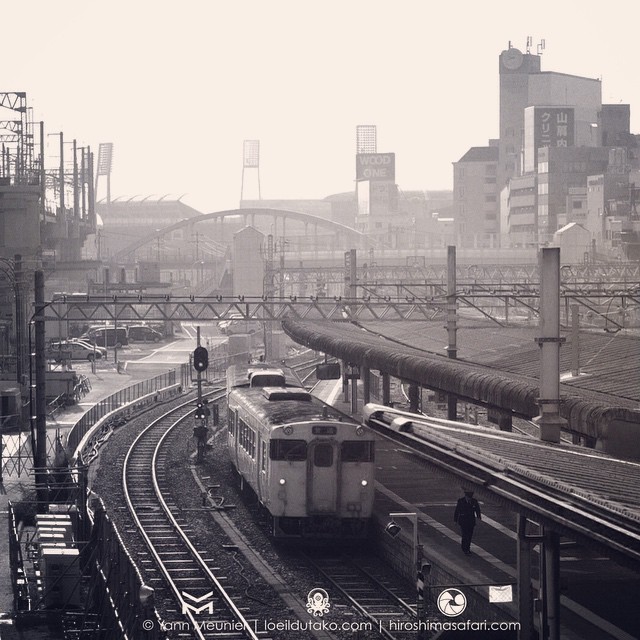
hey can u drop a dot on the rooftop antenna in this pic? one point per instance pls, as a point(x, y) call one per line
point(529, 43)
point(541, 46)
point(510, 45)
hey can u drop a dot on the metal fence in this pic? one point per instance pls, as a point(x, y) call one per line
point(119, 599)
point(122, 397)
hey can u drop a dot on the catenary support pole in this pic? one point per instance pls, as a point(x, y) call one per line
point(549, 420)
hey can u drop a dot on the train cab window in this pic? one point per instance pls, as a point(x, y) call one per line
point(323, 455)
point(291, 450)
point(357, 451)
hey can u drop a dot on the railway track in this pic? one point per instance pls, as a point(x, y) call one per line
point(391, 614)
point(203, 609)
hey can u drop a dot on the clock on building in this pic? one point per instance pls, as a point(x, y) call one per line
point(512, 58)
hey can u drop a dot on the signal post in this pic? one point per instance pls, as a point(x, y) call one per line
point(200, 431)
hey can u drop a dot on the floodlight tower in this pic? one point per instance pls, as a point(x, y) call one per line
point(105, 157)
point(250, 160)
point(366, 138)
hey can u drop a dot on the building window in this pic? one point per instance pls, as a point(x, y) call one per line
point(490, 198)
point(490, 180)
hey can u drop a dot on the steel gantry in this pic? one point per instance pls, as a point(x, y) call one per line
point(88, 308)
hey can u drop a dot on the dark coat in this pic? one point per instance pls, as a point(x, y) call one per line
point(467, 510)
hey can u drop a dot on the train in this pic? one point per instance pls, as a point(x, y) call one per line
point(311, 468)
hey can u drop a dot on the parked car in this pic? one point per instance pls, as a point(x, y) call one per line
point(74, 349)
point(142, 333)
point(237, 324)
point(107, 336)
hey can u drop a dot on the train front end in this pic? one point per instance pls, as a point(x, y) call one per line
point(321, 479)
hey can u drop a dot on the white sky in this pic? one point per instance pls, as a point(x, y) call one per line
point(178, 86)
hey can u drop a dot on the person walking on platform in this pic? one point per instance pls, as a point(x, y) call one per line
point(467, 510)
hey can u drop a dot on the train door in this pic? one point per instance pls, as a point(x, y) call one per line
point(262, 454)
point(322, 481)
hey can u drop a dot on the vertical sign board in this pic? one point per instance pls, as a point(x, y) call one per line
point(380, 197)
point(375, 182)
point(362, 191)
point(553, 127)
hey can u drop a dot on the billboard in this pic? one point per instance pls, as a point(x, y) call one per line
point(553, 127)
point(376, 166)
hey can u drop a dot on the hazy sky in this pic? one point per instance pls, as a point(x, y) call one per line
point(177, 87)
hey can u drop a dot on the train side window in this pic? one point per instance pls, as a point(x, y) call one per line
point(357, 451)
point(231, 421)
point(323, 455)
point(292, 450)
point(243, 435)
point(263, 461)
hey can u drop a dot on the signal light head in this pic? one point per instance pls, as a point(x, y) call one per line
point(200, 359)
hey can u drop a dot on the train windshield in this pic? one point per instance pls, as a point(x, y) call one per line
point(357, 451)
point(290, 450)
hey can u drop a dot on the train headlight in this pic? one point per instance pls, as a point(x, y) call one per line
point(359, 431)
point(282, 481)
point(288, 430)
point(364, 483)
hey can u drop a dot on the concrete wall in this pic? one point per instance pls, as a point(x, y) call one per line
point(19, 221)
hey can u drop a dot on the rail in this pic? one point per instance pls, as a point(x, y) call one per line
point(142, 486)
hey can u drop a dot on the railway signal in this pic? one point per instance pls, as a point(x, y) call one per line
point(200, 413)
point(200, 359)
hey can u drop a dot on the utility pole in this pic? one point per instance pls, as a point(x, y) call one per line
point(17, 275)
point(43, 176)
point(198, 370)
point(452, 347)
point(91, 191)
point(40, 458)
point(63, 216)
point(76, 190)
